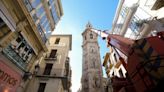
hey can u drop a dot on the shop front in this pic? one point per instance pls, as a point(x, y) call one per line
point(9, 79)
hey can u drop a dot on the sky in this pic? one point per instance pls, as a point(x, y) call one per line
point(77, 13)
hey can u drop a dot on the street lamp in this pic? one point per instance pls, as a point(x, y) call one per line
point(29, 75)
point(37, 67)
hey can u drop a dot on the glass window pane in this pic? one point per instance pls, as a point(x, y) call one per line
point(34, 17)
point(40, 11)
point(48, 68)
point(35, 3)
point(28, 5)
point(41, 87)
point(57, 40)
point(48, 30)
point(51, 1)
point(53, 53)
point(43, 19)
point(54, 14)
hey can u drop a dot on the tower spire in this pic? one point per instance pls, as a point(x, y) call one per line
point(89, 25)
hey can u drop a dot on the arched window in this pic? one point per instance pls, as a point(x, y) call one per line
point(91, 36)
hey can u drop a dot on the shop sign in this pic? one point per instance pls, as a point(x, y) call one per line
point(9, 79)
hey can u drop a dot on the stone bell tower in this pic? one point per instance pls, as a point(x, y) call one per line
point(91, 64)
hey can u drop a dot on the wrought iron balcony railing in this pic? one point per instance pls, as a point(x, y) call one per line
point(51, 58)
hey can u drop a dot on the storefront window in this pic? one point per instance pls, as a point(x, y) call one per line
point(19, 52)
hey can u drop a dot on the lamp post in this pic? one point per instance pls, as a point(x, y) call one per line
point(29, 75)
point(37, 67)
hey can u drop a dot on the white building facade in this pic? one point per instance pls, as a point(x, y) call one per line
point(138, 18)
point(134, 19)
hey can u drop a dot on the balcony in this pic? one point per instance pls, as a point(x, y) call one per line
point(56, 74)
point(35, 18)
point(10, 53)
point(47, 58)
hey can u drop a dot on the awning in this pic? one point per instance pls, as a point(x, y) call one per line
point(118, 64)
point(106, 58)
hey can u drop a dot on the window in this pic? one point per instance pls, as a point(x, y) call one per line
point(28, 5)
point(41, 87)
point(91, 36)
point(18, 39)
point(21, 45)
point(57, 40)
point(44, 18)
point(35, 3)
point(19, 52)
point(34, 17)
point(40, 11)
point(41, 33)
point(85, 38)
point(135, 24)
point(51, 1)
point(115, 57)
point(124, 11)
point(40, 29)
point(121, 74)
point(53, 54)
point(48, 29)
point(26, 49)
point(54, 14)
point(47, 70)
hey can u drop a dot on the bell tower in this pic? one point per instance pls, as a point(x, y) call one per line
point(91, 64)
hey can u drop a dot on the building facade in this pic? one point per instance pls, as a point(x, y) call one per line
point(45, 13)
point(22, 44)
point(54, 73)
point(107, 85)
point(91, 64)
point(134, 19)
point(138, 18)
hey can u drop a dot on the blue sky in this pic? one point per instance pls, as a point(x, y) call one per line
point(77, 13)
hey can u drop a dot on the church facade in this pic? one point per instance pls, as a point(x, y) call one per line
point(91, 64)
